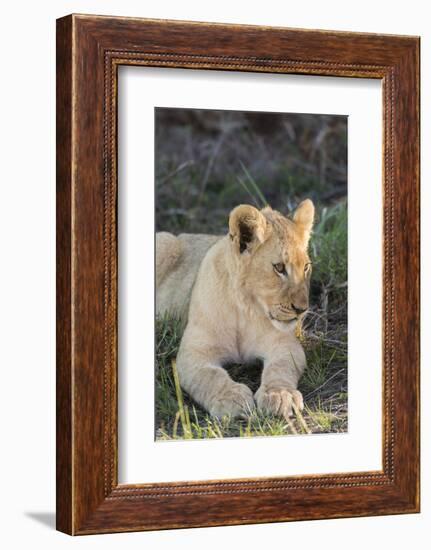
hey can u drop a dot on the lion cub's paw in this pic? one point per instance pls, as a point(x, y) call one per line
point(236, 400)
point(278, 401)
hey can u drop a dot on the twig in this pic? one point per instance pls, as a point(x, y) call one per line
point(324, 384)
point(339, 342)
point(291, 425)
point(210, 164)
point(176, 171)
point(301, 419)
point(175, 426)
point(184, 416)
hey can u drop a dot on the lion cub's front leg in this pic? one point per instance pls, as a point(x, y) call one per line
point(281, 373)
point(208, 383)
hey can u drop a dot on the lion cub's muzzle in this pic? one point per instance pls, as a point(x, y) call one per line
point(286, 313)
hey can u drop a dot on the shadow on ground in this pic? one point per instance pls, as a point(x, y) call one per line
point(45, 518)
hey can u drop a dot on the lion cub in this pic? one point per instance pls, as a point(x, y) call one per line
point(241, 296)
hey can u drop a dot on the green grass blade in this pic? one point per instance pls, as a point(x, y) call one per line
point(183, 415)
point(254, 185)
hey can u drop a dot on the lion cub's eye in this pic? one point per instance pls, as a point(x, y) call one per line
point(280, 268)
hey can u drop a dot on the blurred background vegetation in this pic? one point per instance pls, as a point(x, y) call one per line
point(206, 163)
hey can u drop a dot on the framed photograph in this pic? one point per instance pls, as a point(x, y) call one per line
point(237, 274)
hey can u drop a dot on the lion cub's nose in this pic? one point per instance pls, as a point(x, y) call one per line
point(299, 309)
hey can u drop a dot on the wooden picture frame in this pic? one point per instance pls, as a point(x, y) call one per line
point(89, 51)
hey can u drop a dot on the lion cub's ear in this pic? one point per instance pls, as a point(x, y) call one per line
point(304, 217)
point(247, 227)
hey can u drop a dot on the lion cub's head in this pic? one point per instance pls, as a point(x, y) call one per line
point(274, 268)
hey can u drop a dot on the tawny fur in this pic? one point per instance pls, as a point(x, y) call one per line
point(238, 307)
